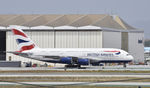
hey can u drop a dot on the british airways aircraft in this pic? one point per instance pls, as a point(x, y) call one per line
point(69, 56)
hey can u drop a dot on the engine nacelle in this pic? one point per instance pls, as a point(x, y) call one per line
point(83, 61)
point(66, 60)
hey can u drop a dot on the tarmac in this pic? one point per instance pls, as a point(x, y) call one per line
point(76, 73)
point(90, 68)
point(144, 84)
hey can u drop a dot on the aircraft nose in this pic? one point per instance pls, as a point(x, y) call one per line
point(131, 57)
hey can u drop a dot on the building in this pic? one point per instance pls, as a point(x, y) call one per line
point(72, 31)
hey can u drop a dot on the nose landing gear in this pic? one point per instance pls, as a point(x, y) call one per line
point(124, 65)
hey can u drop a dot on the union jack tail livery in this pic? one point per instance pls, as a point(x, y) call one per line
point(23, 41)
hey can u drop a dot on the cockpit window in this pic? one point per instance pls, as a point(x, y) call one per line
point(128, 54)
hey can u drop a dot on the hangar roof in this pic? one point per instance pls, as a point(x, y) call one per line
point(38, 21)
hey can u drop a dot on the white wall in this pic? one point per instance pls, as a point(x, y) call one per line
point(90, 39)
point(43, 39)
point(135, 48)
point(78, 39)
point(66, 39)
point(111, 39)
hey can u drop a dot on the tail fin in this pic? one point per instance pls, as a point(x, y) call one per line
point(23, 41)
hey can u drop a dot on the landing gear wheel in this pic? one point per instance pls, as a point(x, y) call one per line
point(124, 65)
point(79, 66)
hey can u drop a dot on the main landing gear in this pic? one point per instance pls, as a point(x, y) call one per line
point(124, 65)
point(74, 66)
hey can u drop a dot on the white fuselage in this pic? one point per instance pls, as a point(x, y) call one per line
point(96, 54)
point(79, 56)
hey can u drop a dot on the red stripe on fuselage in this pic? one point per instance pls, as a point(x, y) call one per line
point(27, 47)
point(16, 32)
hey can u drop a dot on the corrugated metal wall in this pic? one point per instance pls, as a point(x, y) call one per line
point(44, 39)
point(57, 39)
point(111, 39)
point(92, 41)
point(78, 39)
point(66, 39)
point(124, 41)
point(136, 46)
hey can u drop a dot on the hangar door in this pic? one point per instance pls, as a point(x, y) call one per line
point(2, 45)
point(78, 39)
point(111, 39)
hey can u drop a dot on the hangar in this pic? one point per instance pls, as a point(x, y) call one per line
point(72, 31)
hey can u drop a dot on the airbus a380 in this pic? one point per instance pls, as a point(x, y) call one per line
point(69, 56)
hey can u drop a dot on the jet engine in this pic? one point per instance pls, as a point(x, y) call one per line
point(66, 60)
point(78, 61)
point(83, 61)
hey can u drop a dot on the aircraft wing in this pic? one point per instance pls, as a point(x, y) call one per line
point(18, 53)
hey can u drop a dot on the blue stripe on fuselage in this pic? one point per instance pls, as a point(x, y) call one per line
point(118, 53)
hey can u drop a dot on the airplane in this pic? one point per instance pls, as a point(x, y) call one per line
point(68, 56)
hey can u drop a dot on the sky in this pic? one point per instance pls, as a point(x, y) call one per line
point(134, 12)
